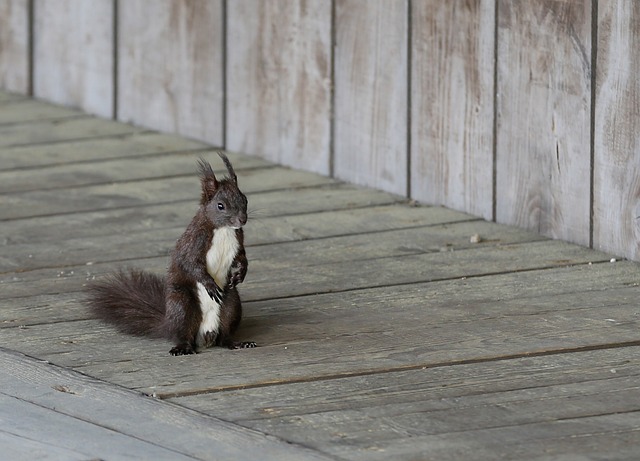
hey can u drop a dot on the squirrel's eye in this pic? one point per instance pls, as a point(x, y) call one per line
point(220, 206)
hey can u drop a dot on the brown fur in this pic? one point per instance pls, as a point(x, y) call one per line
point(145, 304)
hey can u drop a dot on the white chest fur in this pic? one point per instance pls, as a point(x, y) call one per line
point(224, 248)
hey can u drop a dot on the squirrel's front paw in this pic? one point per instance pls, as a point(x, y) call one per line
point(215, 292)
point(237, 273)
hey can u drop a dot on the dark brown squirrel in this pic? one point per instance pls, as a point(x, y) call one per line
point(197, 304)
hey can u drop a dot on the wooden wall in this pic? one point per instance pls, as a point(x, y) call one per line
point(616, 162)
point(171, 66)
point(278, 75)
point(543, 116)
point(14, 46)
point(370, 84)
point(452, 111)
point(73, 53)
point(525, 113)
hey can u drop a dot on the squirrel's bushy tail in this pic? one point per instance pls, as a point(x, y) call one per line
point(133, 301)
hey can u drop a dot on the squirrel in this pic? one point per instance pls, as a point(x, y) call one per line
point(197, 304)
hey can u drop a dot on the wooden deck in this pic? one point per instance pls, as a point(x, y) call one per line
point(385, 333)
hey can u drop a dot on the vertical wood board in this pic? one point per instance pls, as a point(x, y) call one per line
point(616, 209)
point(170, 69)
point(371, 66)
point(452, 73)
point(14, 45)
point(73, 54)
point(543, 117)
point(279, 81)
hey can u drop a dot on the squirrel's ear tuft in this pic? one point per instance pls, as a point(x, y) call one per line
point(227, 163)
point(208, 181)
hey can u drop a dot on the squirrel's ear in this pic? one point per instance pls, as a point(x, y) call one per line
point(208, 180)
point(227, 163)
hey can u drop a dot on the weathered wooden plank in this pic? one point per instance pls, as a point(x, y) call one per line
point(604, 433)
point(345, 416)
point(18, 448)
point(73, 54)
point(14, 52)
point(22, 306)
point(10, 97)
point(279, 81)
point(153, 243)
point(61, 130)
point(88, 150)
point(616, 227)
point(29, 110)
point(543, 118)
point(134, 168)
point(597, 436)
point(170, 69)
point(154, 191)
point(437, 386)
point(137, 423)
point(411, 268)
point(370, 121)
point(263, 205)
point(68, 436)
point(300, 227)
point(327, 343)
point(364, 331)
point(452, 55)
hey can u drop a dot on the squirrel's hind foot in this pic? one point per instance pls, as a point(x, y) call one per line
point(182, 349)
point(243, 345)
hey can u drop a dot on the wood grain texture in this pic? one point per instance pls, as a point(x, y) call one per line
point(152, 253)
point(181, 188)
point(543, 119)
point(28, 110)
point(67, 436)
point(170, 70)
point(616, 208)
point(385, 332)
point(73, 54)
point(122, 424)
point(438, 386)
point(266, 207)
point(10, 97)
point(73, 152)
point(452, 70)
point(336, 252)
point(14, 45)
point(66, 129)
point(338, 335)
point(140, 167)
point(278, 81)
point(532, 427)
point(407, 408)
point(371, 67)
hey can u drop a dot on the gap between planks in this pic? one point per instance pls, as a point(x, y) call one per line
point(148, 155)
point(169, 202)
point(137, 180)
point(320, 238)
point(389, 370)
point(432, 280)
point(99, 404)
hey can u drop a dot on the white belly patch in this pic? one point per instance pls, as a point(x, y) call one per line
point(224, 248)
point(210, 315)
